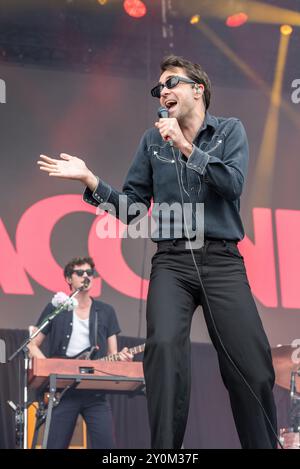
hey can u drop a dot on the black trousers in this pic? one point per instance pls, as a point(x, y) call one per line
point(174, 294)
point(95, 410)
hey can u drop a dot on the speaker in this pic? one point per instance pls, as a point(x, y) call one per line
point(79, 438)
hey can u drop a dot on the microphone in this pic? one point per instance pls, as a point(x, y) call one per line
point(2, 351)
point(163, 113)
point(86, 282)
point(293, 389)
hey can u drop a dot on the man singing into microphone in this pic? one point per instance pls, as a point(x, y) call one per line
point(89, 324)
point(192, 157)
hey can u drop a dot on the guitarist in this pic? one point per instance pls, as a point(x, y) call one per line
point(88, 324)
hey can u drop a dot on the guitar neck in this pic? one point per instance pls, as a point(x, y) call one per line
point(116, 356)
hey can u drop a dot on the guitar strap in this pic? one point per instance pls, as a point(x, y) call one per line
point(96, 328)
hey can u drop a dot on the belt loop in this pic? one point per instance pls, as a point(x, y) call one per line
point(174, 242)
point(224, 242)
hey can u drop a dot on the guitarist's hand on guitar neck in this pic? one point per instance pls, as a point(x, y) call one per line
point(125, 355)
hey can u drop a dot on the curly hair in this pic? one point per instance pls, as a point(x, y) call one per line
point(68, 270)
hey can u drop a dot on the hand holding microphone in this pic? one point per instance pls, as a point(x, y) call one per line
point(164, 124)
point(171, 132)
point(163, 113)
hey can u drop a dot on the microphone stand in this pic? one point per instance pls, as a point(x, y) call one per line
point(295, 403)
point(23, 418)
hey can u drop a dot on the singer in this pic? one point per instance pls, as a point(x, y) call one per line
point(90, 323)
point(191, 156)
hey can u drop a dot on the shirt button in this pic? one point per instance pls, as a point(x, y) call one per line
point(68, 336)
point(64, 348)
point(71, 324)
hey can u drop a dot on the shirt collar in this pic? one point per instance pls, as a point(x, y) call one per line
point(209, 121)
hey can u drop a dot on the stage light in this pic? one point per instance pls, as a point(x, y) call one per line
point(265, 165)
point(234, 21)
point(102, 2)
point(135, 8)
point(195, 19)
point(286, 29)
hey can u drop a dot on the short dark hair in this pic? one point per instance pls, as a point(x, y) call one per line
point(194, 72)
point(69, 268)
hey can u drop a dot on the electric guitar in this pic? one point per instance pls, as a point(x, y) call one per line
point(116, 356)
point(89, 353)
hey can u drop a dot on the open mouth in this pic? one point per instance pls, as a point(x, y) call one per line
point(170, 104)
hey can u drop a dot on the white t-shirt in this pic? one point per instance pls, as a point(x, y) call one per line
point(80, 337)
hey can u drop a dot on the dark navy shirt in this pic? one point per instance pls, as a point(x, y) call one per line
point(214, 175)
point(103, 324)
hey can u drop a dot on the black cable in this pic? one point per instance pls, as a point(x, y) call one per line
point(210, 312)
point(149, 119)
point(19, 413)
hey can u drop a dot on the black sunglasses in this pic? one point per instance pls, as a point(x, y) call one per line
point(170, 83)
point(80, 272)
